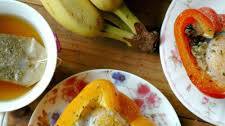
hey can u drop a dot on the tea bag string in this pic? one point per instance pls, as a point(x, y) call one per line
point(42, 61)
point(59, 61)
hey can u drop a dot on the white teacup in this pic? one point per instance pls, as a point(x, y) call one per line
point(30, 15)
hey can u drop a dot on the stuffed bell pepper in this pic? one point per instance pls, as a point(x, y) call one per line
point(201, 44)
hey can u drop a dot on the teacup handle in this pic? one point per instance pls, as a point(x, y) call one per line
point(2, 115)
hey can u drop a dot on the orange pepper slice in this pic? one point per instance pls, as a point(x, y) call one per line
point(198, 77)
point(131, 112)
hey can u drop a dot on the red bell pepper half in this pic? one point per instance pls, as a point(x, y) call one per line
point(209, 27)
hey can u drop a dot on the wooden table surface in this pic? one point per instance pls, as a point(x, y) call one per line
point(80, 54)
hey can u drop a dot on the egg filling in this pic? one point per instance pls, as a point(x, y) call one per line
point(101, 117)
point(209, 53)
point(215, 59)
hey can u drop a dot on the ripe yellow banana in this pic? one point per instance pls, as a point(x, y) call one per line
point(79, 16)
point(142, 39)
point(107, 5)
point(110, 17)
point(83, 18)
point(129, 18)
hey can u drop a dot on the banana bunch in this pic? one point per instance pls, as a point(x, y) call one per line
point(105, 18)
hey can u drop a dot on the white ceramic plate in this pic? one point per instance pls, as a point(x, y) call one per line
point(207, 108)
point(152, 102)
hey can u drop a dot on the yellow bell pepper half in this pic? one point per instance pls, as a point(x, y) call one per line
point(102, 93)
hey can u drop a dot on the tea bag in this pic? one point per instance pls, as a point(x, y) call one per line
point(22, 59)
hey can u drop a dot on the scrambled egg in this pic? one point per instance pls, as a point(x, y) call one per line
point(215, 59)
point(102, 117)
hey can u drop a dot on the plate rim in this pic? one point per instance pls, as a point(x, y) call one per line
point(173, 3)
point(99, 70)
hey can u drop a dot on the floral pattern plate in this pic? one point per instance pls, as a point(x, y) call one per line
point(152, 102)
point(207, 108)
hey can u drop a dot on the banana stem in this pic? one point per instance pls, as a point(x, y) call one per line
point(115, 20)
point(118, 34)
point(142, 39)
point(127, 16)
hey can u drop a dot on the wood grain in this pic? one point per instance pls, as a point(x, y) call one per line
point(80, 54)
